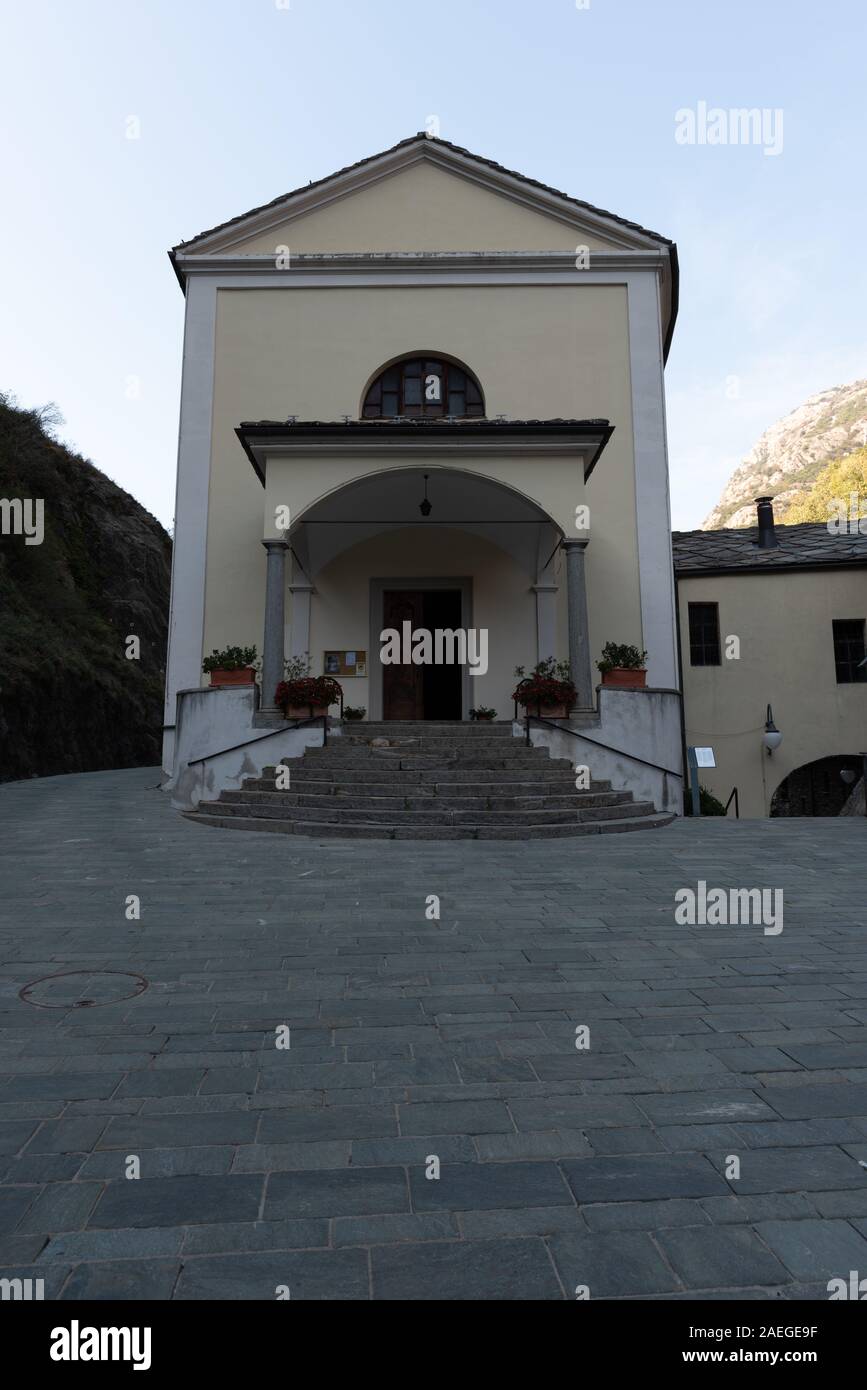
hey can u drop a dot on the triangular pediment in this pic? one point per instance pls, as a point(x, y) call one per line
point(424, 195)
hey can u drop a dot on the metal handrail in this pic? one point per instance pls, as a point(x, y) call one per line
point(299, 724)
point(734, 798)
point(621, 752)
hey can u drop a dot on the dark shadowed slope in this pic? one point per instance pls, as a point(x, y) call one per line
point(70, 699)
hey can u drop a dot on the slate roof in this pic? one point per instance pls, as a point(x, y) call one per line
point(398, 427)
point(446, 144)
point(419, 422)
point(808, 545)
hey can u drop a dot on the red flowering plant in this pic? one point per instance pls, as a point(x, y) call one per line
point(549, 683)
point(300, 690)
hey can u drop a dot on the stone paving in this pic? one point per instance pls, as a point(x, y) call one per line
point(412, 1039)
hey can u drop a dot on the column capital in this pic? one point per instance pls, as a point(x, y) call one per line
point(569, 541)
point(275, 545)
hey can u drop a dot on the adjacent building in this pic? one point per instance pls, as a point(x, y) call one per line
point(775, 616)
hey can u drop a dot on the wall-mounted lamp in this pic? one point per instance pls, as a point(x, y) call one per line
point(771, 738)
point(425, 507)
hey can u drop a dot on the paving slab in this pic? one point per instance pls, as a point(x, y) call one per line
point(465, 1270)
point(308, 1169)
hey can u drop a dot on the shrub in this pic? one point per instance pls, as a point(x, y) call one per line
point(308, 691)
point(549, 683)
point(621, 656)
point(230, 659)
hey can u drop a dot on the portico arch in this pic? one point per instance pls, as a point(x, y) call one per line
point(517, 486)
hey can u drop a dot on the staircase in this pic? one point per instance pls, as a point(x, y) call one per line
point(432, 782)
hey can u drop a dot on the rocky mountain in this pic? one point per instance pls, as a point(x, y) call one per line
point(787, 458)
point(70, 698)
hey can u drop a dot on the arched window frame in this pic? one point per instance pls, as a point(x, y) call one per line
point(402, 389)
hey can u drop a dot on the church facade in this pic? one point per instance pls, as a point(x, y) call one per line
point(426, 390)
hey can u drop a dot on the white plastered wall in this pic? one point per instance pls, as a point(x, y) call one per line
point(784, 623)
point(539, 352)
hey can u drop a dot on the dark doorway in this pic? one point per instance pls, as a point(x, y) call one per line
point(817, 789)
point(422, 692)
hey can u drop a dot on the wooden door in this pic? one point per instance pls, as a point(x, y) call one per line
point(402, 686)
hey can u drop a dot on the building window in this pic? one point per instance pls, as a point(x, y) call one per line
point(423, 386)
point(849, 650)
point(704, 634)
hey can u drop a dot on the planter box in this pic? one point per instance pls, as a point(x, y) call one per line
point(304, 711)
point(244, 675)
point(547, 711)
point(626, 679)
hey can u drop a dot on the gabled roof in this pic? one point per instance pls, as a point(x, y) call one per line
point(808, 545)
point(423, 140)
point(623, 236)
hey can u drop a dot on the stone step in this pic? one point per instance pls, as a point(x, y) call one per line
point(302, 774)
point(442, 782)
point(399, 728)
point(434, 740)
point(354, 800)
point(421, 761)
point(319, 830)
point(338, 815)
point(425, 747)
point(428, 748)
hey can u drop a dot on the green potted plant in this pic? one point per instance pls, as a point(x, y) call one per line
point(302, 696)
point(484, 714)
point(231, 666)
point(354, 713)
point(548, 690)
point(623, 665)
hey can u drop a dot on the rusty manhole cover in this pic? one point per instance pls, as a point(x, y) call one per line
point(83, 989)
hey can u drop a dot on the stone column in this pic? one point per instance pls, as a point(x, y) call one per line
point(272, 646)
point(579, 637)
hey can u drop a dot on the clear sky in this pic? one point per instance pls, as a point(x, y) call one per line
point(241, 100)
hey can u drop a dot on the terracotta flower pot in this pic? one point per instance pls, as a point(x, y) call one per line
point(303, 711)
point(625, 677)
point(243, 675)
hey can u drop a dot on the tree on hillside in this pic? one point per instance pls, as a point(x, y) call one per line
point(838, 493)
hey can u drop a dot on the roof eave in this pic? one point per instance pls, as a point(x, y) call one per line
point(256, 436)
point(721, 571)
point(675, 300)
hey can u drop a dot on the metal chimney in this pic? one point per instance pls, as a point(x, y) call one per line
point(767, 534)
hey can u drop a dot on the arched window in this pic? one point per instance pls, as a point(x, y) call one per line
point(423, 386)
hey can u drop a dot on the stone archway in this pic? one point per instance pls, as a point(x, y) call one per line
point(818, 788)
